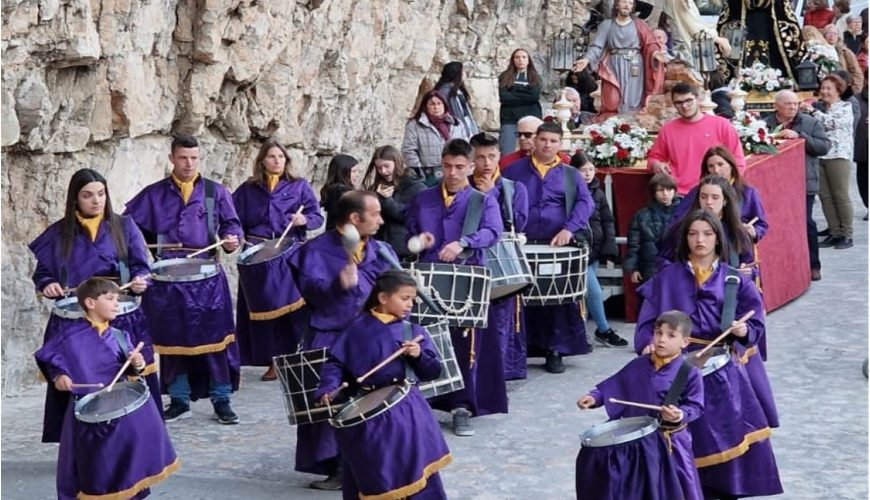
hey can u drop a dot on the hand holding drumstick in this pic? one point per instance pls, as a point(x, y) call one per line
point(402, 350)
point(750, 228)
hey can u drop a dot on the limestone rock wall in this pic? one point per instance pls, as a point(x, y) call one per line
point(104, 83)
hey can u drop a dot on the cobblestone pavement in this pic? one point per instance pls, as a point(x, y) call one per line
point(816, 344)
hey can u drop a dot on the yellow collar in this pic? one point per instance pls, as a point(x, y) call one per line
point(186, 188)
point(659, 362)
point(91, 225)
point(99, 326)
point(272, 181)
point(543, 168)
point(447, 197)
point(701, 275)
point(384, 318)
point(478, 178)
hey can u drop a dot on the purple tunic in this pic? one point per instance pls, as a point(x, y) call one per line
point(136, 447)
point(750, 207)
point(639, 381)
point(264, 215)
point(400, 451)
point(427, 213)
point(316, 267)
point(738, 407)
point(192, 321)
point(88, 259)
point(558, 329)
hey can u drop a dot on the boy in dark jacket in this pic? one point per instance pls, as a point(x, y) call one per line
point(602, 247)
point(647, 226)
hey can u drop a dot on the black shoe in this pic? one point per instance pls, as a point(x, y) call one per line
point(867, 216)
point(824, 232)
point(815, 274)
point(610, 338)
point(224, 414)
point(829, 241)
point(843, 244)
point(332, 483)
point(176, 411)
point(554, 363)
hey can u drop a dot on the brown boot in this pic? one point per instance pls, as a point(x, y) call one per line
point(270, 374)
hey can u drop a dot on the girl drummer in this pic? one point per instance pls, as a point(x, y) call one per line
point(267, 203)
point(407, 432)
point(91, 240)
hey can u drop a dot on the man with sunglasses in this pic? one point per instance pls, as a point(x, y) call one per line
point(526, 128)
point(680, 146)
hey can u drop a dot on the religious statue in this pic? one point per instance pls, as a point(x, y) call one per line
point(623, 49)
point(683, 22)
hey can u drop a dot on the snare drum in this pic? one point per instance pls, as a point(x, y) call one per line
point(69, 308)
point(369, 406)
point(510, 270)
point(299, 374)
point(450, 379)
point(618, 431)
point(183, 270)
point(104, 406)
point(461, 292)
point(560, 274)
point(267, 281)
point(713, 360)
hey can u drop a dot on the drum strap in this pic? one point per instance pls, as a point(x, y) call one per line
point(679, 383)
point(507, 203)
point(729, 304)
point(569, 179)
point(407, 334)
point(209, 186)
point(473, 213)
point(122, 340)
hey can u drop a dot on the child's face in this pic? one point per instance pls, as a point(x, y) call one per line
point(103, 308)
point(400, 302)
point(668, 342)
point(665, 196)
point(587, 172)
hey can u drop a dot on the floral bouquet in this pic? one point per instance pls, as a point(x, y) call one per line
point(762, 78)
point(615, 143)
point(753, 133)
point(824, 57)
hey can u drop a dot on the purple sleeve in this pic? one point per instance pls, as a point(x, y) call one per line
point(521, 207)
point(646, 318)
point(331, 376)
point(692, 400)
point(428, 365)
point(228, 219)
point(50, 362)
point(755, 209)
point(597, 396)
point(749, 299)
point(583, 206)
point(490, 227)
point(312, 208)
point(42, 277)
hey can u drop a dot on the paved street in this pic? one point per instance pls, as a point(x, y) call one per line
point(816, 347)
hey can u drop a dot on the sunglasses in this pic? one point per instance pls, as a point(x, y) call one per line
point(525, 135)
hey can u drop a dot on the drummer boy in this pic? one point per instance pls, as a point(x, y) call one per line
point(82, 358)
point(647, 380)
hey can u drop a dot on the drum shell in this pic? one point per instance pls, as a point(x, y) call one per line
point(69, 308)
point(450, 379)
point(619, 431)
point(269, 288)
point(299, 374)
point(384, 399)
point(462, 292)
point(138, 387)
point(511, 273)
point(560, 274)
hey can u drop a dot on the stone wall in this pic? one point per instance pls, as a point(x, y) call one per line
point(103, 84)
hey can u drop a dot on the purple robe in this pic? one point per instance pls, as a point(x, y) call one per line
point(400, 451)
point(192, 321)
point(427, 213)
point(738, 405)
point(558, 329)
point(639, 381)
point(136, 448)
point(88, 259)
point(750, 207)
point(316, 267)
point(264, 215)
point(514, 348)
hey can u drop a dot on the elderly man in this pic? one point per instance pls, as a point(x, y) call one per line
point(527, 126)
point(853, 36)
point(793, 124)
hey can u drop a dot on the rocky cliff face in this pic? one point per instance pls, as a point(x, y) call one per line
point(103, 84)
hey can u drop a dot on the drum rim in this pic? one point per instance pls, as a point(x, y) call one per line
point(193, 277)
point(649, 426)
point(566, 249)
point(107, 417)
point(715, 362)
point(391, 401)
point(256, 248)
point(78, 314)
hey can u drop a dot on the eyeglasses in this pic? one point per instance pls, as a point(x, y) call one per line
point(525, 135)
point(684, 102)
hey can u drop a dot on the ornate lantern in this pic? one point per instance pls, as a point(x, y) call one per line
point(735, 33)
point(807, 75)
point(703, 53)
point(562, 54)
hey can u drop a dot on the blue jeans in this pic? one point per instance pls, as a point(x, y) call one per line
point(594, 304)
point(507, 138)
point(179, 390)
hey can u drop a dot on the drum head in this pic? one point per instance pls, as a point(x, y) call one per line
point(265, 251)
point(370, 405)
point(712, 360)
point(183, 269)
point(103, 406)
point(618, 431)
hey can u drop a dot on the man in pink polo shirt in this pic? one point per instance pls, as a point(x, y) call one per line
point(680, 146)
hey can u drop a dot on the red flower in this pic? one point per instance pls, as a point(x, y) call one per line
point(548, 119)
point(761, 134)
point(621, 154)
point(625, 128)
point(597, 140)
point(593, 134)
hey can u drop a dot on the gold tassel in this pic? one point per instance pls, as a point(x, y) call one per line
point(517, 315)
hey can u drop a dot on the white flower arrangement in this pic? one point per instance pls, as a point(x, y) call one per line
point(753, 133)
point(824, 57)
point(615, 143)
point(762, 78)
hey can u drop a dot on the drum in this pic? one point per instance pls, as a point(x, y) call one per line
point(69, 308)
point(299, 374)
point(266, 280)
point(450, 379)
point(183, 270)
point(510, 270)
point(369, 406)
point(713, 360)
point(560, 274)
point(104, 406)
point(461, 292)
point(618, 431)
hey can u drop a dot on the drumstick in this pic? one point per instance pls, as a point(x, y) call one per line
point(386, 361)
point(163, 245)
point(637, 405)
point(338, 389)
point(207, 249)
point(98, 386)
point(724, 334)
point(125, 365)
point(289, 226)
point(753, 221)
point(65, 292)
point(751, 264)
point(130, 283)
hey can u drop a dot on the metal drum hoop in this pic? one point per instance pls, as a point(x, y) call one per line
point(244, 256)
point(59, 309)
point(208, 268)
point(127, 385)
point(600, 435)
point(392, 400)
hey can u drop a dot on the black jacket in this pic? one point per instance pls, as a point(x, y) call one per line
point(647, 226)
point(519, 100)
point(603, 235)
point(393, 210)
point(329, 202)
